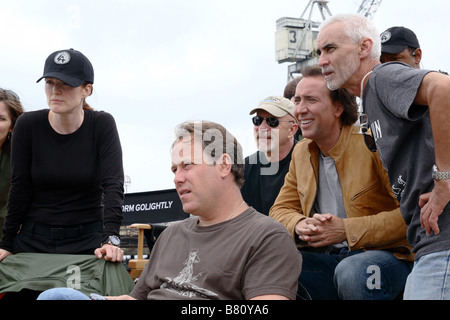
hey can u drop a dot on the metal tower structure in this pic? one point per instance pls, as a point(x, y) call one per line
point(295, 38)
point(368, 8)
point(322, 6)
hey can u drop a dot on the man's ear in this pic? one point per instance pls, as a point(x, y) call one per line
point(365, 48)
point(417, 56)
point(224, 164)
point(339, 110)
point(293, 130)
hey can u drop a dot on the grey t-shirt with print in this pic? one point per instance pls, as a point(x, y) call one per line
point(404, 139)
point(242, 258)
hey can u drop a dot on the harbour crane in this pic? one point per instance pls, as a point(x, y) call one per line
point(295, 38)
point(368, 8)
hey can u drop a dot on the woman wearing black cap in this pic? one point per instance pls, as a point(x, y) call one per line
point(67, 176)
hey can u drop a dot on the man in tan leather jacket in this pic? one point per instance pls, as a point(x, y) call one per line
point(338, 204)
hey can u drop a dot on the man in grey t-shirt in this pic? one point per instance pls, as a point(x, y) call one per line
point(409, 112)
point(228, 250)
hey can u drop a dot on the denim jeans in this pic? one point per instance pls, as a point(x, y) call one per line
point(361, 275)
point(62, 294)
point(429, 279)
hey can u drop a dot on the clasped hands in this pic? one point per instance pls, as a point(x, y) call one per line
point(321, 230)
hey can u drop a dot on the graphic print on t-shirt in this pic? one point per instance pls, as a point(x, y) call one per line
point(182, 284)
point(376, 130)
point(399, 188)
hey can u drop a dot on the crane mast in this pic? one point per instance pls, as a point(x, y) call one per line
point(295, 38)
point(368, 8)
point(322, 6)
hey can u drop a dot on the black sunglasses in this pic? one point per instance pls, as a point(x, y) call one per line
point(271, 121)
point(370, 142)
point(11, 93)
point(363, 129)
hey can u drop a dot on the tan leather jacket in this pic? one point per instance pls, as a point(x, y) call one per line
point(373, 222)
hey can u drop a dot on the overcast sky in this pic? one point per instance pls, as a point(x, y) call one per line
point(160, 62)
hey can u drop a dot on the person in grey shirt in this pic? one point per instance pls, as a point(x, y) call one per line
point(409, 112)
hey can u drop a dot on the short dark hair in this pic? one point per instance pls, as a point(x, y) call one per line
point(229, 145)
point(341, 95)
point(289, 90)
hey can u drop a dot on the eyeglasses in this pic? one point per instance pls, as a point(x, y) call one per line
point(364, 120)
point(363, 129)
point(11, 93)
point(271, 121)
point(370, 142)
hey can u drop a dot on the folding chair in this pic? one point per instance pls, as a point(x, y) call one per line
point(150, 213)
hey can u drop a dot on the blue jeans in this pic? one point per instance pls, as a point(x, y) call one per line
point(62, 294)
point(429, 279)
point(361, 275)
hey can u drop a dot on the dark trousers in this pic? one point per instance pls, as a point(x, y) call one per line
point(80, 239)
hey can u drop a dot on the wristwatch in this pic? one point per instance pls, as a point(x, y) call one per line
point(113, 240)
point(440, 175)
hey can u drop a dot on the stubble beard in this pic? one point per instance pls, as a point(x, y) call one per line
point(343, 74)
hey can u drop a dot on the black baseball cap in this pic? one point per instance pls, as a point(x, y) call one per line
point(70, 66)
point(396, 39)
